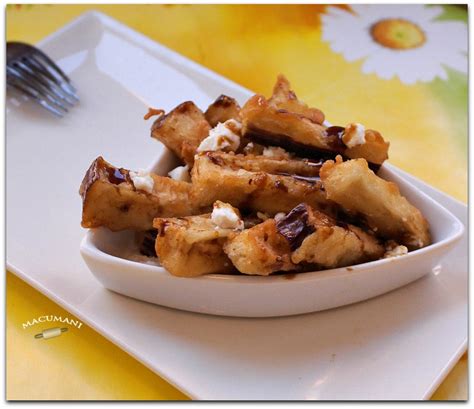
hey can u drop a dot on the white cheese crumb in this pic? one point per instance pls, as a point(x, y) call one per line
point(223, 137)
point(274, 152)
point(224, 216)
point(142, 180)
point(262, 216)
point(354, 135)
point(279, 216)
point(395, 251)
point(180, 173)
point(153, 261)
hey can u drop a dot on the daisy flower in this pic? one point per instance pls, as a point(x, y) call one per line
point(397, 40)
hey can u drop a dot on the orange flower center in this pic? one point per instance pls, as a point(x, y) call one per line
point(397, 34)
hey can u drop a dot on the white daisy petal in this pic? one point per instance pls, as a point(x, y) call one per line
point(442, 74)
point(360, 9)
point(444, 43)
point(431, 12)
point(419, 13)
point(428, 72)
point(373, 12)
point(338, 12)
point(357, 52)
point(391, 63)
point(395, 11)
point(371, 63)
point(458, 62)
point(447, 34)
point(408, 77)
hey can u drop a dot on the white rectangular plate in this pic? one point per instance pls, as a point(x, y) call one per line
point(396, 346)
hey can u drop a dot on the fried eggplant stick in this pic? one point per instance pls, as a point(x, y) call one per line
point(284, 121)
point(260, 250)
point(304, 238)
point(320, 240)
point(359, 190)
point(182, 130)
point(191, 246)
point(111, 198)
point(223, 176)
point(221, 110)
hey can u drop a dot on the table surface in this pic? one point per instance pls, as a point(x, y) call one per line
point(272, 38)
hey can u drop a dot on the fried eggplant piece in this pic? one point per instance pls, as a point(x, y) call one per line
point(284, 121)
point(182, 130)
point(264, 123)
point(220, 176)
point(273, 165)
point(191, 246)
point(260, 250)
point(110, 198)
point(222, 109)
point(358, 190)
point(317, 239)
point(284, 98)
point(374, 149)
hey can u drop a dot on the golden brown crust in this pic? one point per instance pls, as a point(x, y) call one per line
point(110, 199)
point(264, 123)
point(214, 177)
point(327, 243)
point(284, 98)
point(222, 109)
point(92, 174)
point(182, 130)
point(374, 150)
point(260, 163)
point(285, 121)
point(303, 238)
point(260, 250)
point(357, 189)
point(191, 246)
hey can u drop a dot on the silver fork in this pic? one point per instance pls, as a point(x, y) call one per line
point(33, 73)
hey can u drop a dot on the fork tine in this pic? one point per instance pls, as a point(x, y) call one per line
point(51, 85)
point(40, 66)
point(32, 83)
point(56, 70)
point(25, 90)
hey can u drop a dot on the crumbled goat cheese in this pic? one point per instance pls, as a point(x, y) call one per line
point(253, 149)
point(274, 152)
point(279, 216)
point(153, 261)
point(395, 251)
point(225, 217)
point(180, 173)
point(354, 135)
point(223, 137)
point(142, 180)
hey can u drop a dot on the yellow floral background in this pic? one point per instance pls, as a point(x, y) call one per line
point(426, 124)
